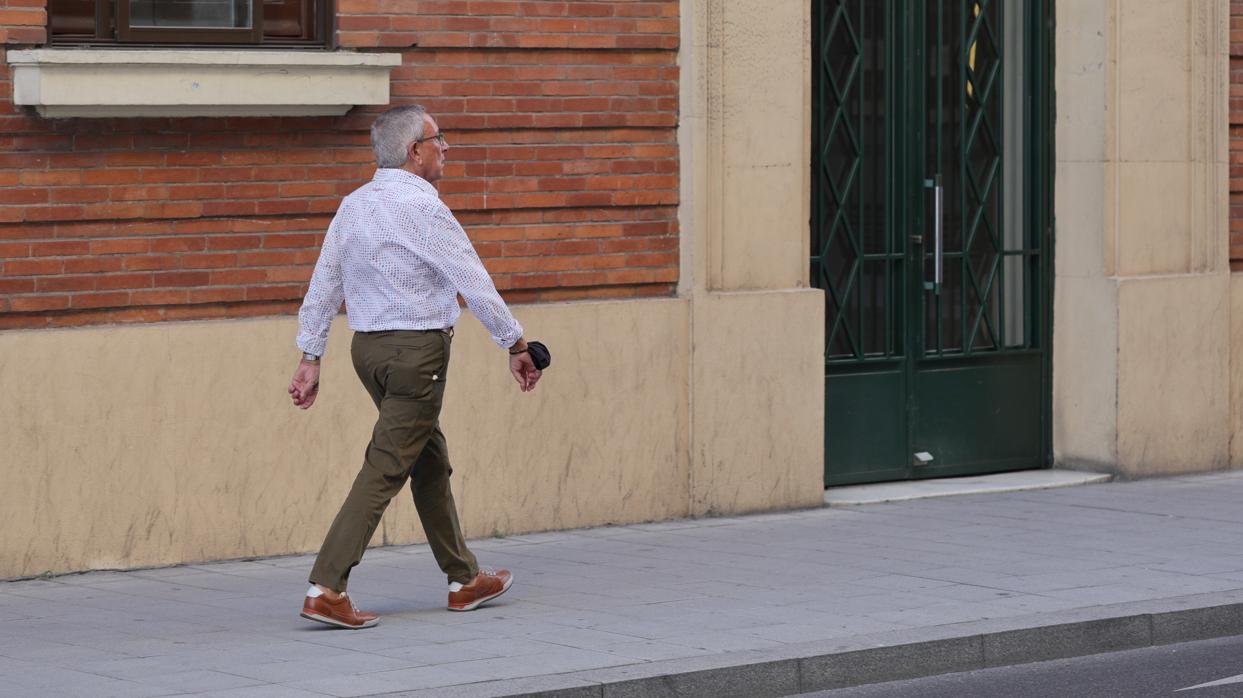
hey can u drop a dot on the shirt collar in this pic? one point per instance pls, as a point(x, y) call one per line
point(400, 176)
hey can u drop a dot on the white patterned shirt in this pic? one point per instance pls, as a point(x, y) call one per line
point(398, 258)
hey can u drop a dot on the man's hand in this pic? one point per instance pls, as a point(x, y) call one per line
point(305, 384)
point(524, 371)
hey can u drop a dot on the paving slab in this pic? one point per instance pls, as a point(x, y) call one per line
point(770, 604)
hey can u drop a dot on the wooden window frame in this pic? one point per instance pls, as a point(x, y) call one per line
point(112, 28)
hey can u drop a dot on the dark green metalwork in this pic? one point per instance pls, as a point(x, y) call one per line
point(853, 252)
point(859, 255)
point(906, 95)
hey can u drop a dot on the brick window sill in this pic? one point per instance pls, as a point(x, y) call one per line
point(172, 82)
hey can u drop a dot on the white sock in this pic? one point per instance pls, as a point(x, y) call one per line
point(314, 592)
point(455, 586)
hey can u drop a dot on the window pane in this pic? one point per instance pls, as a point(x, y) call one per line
point(190, 14)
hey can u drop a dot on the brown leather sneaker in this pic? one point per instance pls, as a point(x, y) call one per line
point(341, 613)
point(487, 585)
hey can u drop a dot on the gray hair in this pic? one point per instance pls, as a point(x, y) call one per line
point(393, 132)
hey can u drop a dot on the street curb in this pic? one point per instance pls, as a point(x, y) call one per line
point(893, 656)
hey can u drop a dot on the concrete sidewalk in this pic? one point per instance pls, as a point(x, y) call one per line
point(771, 604)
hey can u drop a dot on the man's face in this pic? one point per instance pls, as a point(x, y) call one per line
point(428, 156)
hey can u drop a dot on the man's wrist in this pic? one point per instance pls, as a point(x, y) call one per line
point(518, 347)
point(308, 357)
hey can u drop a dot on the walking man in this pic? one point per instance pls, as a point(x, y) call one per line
point(398, 258)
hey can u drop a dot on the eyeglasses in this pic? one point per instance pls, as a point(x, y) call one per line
point(439, 137)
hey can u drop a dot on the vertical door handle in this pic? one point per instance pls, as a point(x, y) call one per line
point(938, 233)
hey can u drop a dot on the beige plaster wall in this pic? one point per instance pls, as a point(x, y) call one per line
point(745, 134)
point(1085, 373)
point(158, 444)
point(757, 427)
point(765, 159)
point(1085, 345)
point(757, 414)
point(177, 442)
point(1174, 406)
point(1236, 370)
point(1142, 294)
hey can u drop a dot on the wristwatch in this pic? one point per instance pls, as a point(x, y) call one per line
point(307, 356)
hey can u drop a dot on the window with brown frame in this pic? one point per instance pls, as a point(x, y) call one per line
point(188, 22)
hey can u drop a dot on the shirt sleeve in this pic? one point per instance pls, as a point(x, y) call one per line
point(454, 256)
point(323, 297)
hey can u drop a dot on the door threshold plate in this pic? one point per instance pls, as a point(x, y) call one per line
point(852, 495)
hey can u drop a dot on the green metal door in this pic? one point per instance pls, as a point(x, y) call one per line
point(930, 235)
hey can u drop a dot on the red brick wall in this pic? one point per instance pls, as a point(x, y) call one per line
point(563, 169)
point(1236, 135)
point(22, 22)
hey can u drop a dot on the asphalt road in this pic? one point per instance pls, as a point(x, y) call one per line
point(1204, 669)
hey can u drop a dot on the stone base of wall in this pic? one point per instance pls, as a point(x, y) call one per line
point(159, 444)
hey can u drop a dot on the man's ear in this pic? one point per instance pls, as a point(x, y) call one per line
point(412, 152)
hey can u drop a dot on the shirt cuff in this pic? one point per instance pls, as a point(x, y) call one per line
point(510, 338)
point(312, 345)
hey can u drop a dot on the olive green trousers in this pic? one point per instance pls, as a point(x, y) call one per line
point(404, 371)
